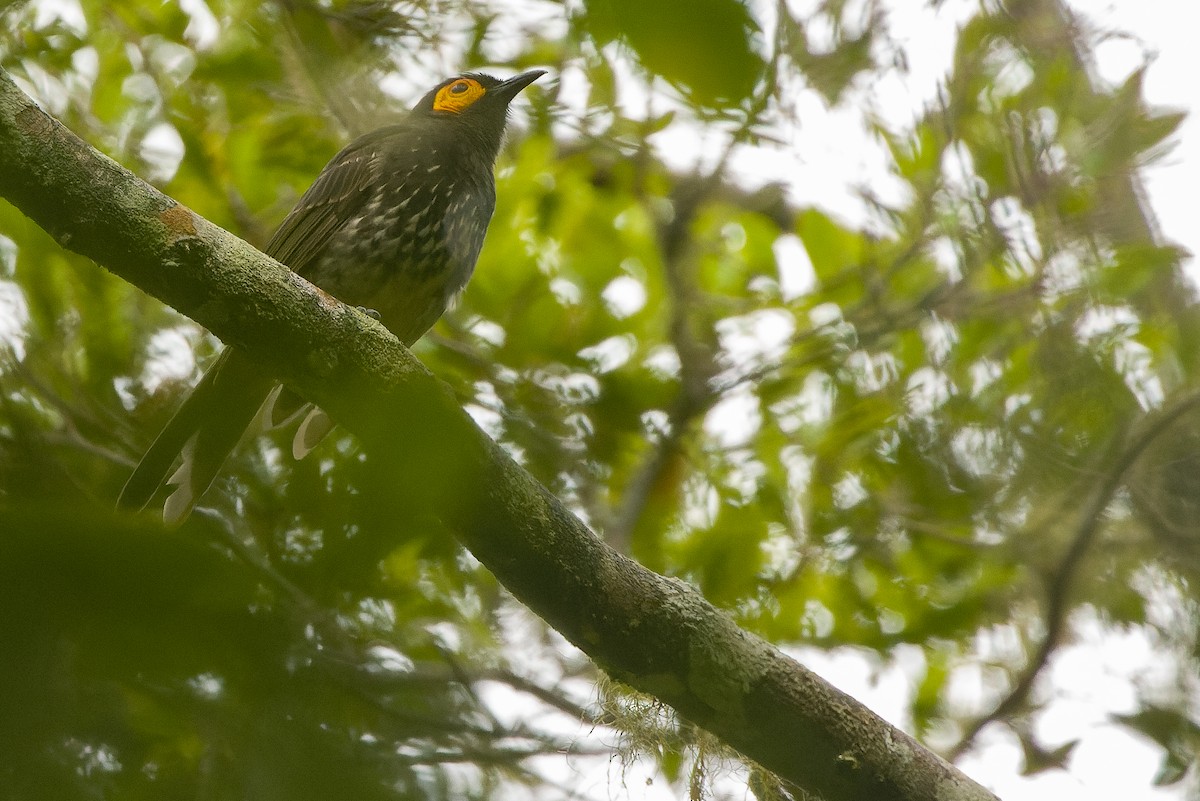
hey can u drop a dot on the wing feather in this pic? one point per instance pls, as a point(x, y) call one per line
point(338, 194)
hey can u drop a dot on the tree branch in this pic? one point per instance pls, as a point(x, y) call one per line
point(656, 634)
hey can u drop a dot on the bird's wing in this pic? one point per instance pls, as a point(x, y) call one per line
point(334, 198)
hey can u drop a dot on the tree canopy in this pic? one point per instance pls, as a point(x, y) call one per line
point(958, 434)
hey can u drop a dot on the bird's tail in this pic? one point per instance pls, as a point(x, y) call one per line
point(200, 436)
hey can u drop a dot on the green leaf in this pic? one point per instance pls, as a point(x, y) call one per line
point(705, 47)
point(1175, 731)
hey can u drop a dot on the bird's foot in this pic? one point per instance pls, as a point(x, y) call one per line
point(374, 315)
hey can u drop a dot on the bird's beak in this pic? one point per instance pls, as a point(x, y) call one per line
point(507, 90)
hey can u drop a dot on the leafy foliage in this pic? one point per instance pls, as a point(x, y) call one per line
point(976, 422)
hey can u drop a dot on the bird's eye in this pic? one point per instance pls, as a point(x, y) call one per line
point(455, 96)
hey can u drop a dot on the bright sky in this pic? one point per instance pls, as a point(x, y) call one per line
point(1161, 31)
point(828, 158)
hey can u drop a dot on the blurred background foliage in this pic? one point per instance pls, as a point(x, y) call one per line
point(955, 433)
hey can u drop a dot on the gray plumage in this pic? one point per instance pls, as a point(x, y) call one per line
point(394, 223)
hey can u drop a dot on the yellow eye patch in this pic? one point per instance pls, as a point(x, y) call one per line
point(458, 95)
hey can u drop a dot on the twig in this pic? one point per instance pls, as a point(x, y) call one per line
point(1059, 590)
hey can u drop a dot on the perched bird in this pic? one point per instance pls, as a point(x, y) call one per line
point(393, 224)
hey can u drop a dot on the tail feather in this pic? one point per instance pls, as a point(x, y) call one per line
point(203, 432)
point(284, 408)
point(316, 426)
point(179, 504)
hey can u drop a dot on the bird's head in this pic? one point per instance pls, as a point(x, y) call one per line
point(473, 95)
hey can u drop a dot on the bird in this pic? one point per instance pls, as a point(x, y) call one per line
point(393, 224)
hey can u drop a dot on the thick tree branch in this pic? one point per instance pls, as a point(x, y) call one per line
point(656, 634)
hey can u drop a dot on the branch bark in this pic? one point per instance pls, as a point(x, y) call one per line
point(656, 634)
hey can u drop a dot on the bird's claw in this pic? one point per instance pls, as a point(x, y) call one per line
point(374, 315)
